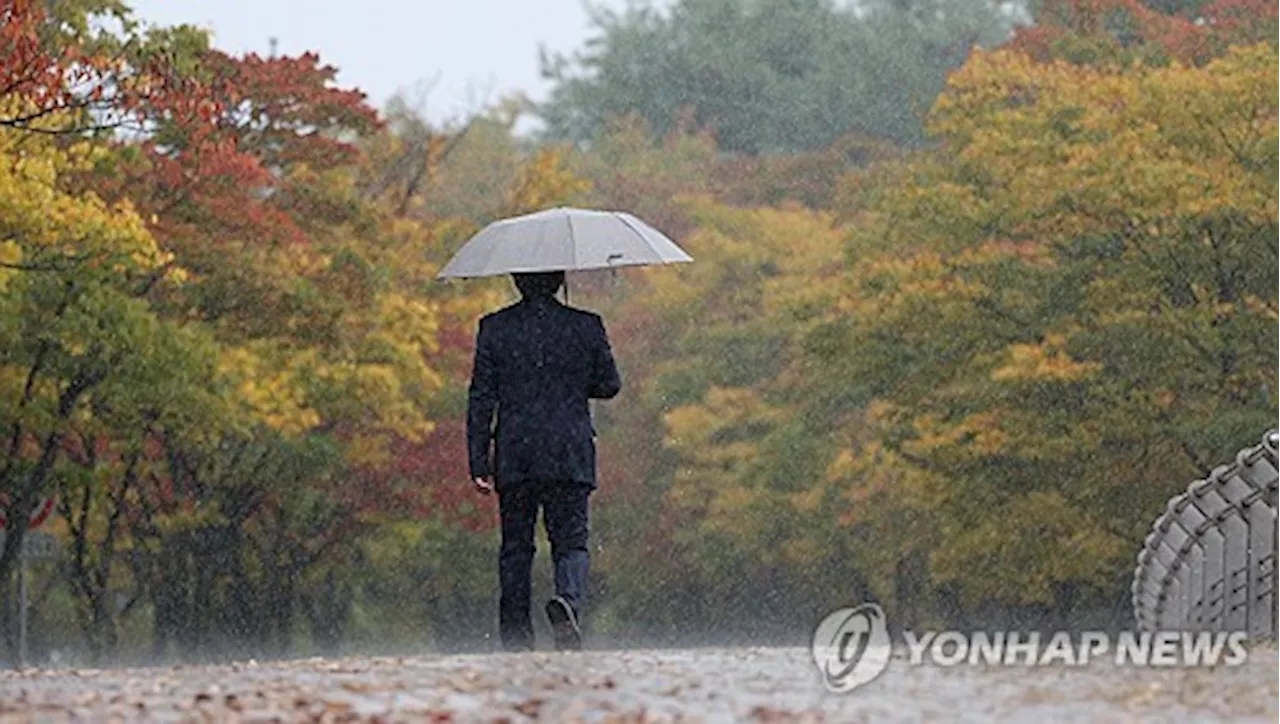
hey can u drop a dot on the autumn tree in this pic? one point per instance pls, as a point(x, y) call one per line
point(264, 245)
point(81, 349)
point(1066, 322)
point(1156, 32)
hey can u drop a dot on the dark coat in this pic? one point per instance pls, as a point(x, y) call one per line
point(537, 364)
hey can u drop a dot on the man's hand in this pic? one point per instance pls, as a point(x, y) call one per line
point(484, 485)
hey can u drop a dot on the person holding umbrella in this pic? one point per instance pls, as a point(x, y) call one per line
point(538, 364)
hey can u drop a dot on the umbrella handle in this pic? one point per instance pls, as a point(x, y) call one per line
point(613, 269)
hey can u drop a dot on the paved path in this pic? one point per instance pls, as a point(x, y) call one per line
point(710, 685)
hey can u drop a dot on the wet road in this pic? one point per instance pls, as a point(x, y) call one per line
point(709, 685)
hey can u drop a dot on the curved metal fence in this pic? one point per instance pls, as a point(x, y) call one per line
point(1209, 562)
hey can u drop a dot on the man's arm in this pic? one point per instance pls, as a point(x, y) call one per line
point(605, 380)
point(482, 401)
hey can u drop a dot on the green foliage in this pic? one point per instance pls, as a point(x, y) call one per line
point(765, 77)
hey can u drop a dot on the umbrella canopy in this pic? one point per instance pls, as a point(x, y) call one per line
point(562, 239)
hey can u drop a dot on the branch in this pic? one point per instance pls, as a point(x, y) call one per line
point(31, 267)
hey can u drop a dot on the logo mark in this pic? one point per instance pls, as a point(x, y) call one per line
point(851, 647)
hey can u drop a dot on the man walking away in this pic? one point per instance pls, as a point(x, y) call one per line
point(537, 365)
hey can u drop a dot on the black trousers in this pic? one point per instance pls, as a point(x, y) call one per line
point(564, 513)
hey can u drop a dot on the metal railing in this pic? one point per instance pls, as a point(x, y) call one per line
point(1209, 562)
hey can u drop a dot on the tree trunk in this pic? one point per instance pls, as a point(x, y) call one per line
point(328, 613)
point(284, 614)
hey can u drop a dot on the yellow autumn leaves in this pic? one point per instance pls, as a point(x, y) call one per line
point(1090, 292)
point(1073, 148)
point(1047, 360)
point(44, 225)
point(988, 373)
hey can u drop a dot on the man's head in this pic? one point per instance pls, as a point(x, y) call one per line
point(539, 284)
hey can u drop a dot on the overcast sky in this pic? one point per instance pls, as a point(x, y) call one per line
point(474, 50)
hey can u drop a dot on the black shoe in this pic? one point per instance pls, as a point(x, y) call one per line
point(564, 625)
